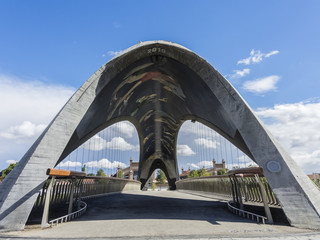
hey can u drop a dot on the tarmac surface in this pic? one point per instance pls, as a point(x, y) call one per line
point(161, 215)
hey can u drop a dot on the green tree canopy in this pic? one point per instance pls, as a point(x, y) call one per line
point(221, 172)
point(120, 174)
point(203, 172)
point(101, 173)
point(193, 173)
point(6, 171)
point(198, 173)
point(161, 177)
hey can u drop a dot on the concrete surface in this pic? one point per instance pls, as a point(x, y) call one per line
point(157, 86)
point(161, 215)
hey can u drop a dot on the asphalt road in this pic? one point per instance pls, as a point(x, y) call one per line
point(162, 215)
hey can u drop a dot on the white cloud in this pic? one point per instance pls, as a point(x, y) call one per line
point(196, 128)
point(256, 56)
point(201, 164)
point(97, 143)
point(206, 164)
point(105, 163)
point(296, 127)
point(118, 143)
point(206, 143)
point(69, 164)
point(114, 53)
point(192, 165)
point(30, 101)
point(271, 53)
point(124, 128)
point(11, 161)
point(240, 73)
point(262, 85)
point(25, 130)
point(184, 150)
point(25, 108)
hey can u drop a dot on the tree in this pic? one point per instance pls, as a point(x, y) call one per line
point(101, 173)
point(161, 177)
point(153, 186)
point(193, 173)
point(203, 172)
point(221, 172)
point(6, 171)
point(120, 174)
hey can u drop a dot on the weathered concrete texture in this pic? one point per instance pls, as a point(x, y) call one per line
point(157, 86)
point(130, 186)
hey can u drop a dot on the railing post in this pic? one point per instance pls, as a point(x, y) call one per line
point(45, 215)
point(265, 200)
point(232, 189)
point(238, 192)
point(245, 189)
point(71, 196)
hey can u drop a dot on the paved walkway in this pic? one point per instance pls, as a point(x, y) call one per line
point(161, 215)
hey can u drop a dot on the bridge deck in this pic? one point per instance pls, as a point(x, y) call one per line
point(165, 214)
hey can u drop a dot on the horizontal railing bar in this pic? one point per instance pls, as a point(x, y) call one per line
point(70, 216)
point(237, 210)
point(64, 173)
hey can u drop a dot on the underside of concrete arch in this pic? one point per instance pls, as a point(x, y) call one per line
point(157, 86)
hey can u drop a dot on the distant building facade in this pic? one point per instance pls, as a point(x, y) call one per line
point(213, 171)
point(131, 172)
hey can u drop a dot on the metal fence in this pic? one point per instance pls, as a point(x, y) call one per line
point(250, 190)
point(216, 184)
point(229, 187)
point(81, 188)
point(58, 191)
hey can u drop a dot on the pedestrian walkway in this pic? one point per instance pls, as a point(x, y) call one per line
point(162, 215)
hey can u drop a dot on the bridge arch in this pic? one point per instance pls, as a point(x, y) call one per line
point(157, 85)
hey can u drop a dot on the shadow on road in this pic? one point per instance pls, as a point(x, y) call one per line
point(140, 206)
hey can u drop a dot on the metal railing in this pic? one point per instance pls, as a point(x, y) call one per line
point(70, 216)
point(59, 190)
point(220, 185)
point(84, 187)
point(246, 214)
point(250, 190)
point(247, 184)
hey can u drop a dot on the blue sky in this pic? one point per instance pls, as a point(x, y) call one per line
point(49, 49)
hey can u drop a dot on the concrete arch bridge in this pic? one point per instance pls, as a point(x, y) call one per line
point(157, 86)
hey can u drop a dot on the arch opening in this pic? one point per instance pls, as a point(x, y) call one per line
point(107, 151)
point(201, 147)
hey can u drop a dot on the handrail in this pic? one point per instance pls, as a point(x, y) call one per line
point(64, 173)
point(240, 212)
point(70, 216)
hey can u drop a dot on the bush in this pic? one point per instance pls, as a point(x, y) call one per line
point(221, 172)
point(6, 171)
point(153, 186)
